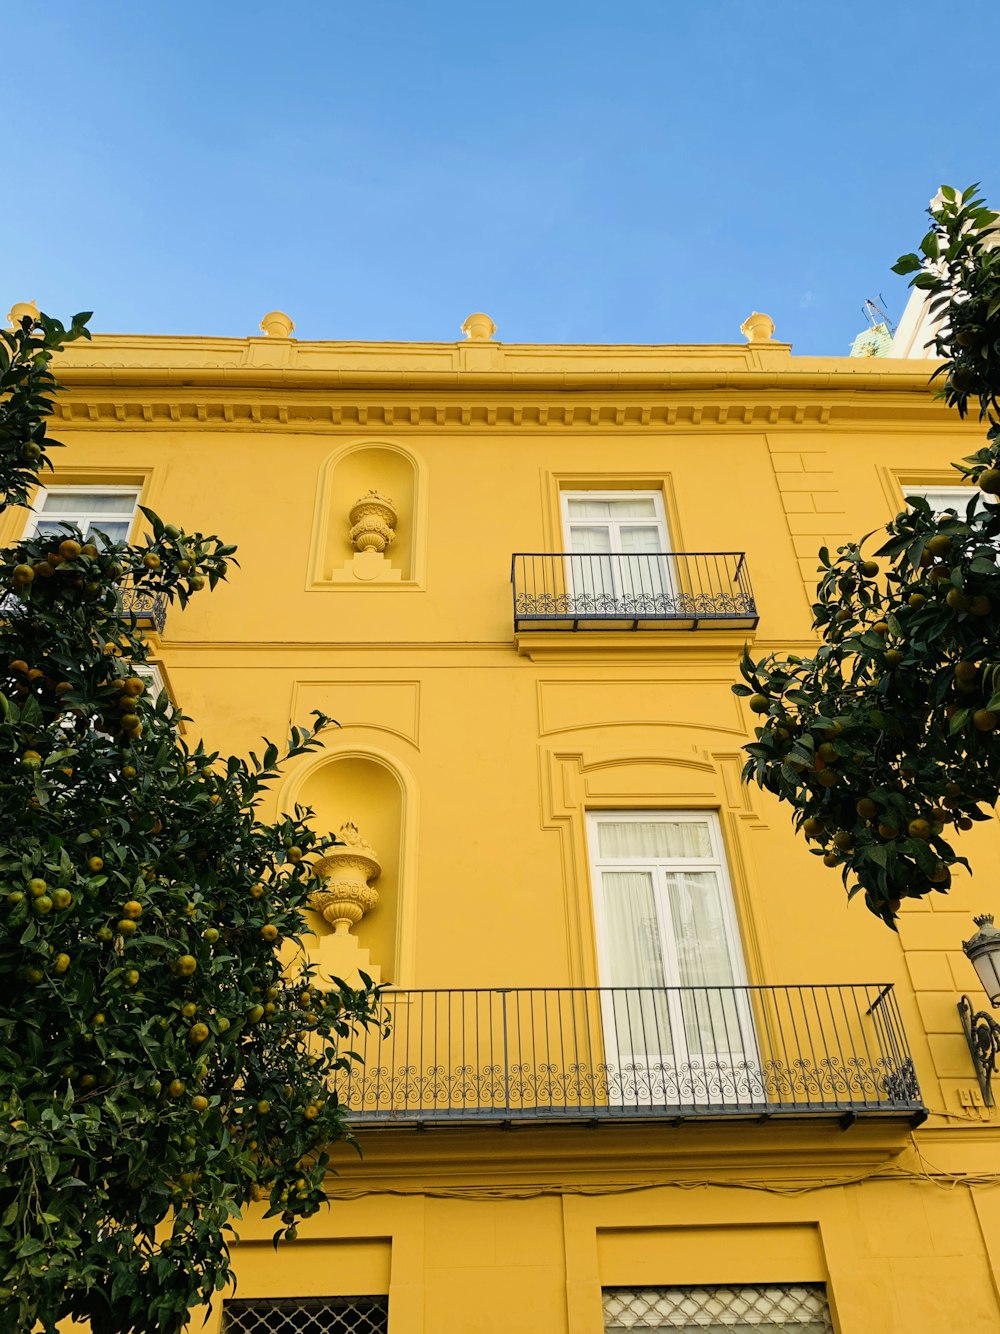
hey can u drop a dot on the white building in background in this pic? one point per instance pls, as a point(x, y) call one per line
point(915, 335)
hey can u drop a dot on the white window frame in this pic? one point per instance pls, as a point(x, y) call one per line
point(955, 497)
point(716, 863)
point(656, 1063)
point(659, 519)
point(151, 674)
point(92, 520)
point(616, 583)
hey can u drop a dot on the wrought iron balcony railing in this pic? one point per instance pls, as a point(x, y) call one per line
point(633, 1053)
point(149, 609)
point(566, 591)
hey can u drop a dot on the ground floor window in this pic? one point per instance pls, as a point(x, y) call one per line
point(797, 1308)
point(307, 1315)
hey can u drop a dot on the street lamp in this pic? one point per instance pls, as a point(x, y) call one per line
point(982, 1032)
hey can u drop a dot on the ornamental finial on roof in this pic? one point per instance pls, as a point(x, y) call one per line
point(479, 327)
point(276, 324)
point(757, 327)
point(19, 311)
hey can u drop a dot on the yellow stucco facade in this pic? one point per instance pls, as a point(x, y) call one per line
point(476, 757)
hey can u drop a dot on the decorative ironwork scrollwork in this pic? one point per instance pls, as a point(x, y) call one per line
point(982, 1033)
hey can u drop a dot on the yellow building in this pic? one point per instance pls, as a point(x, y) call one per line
point(647, 1070)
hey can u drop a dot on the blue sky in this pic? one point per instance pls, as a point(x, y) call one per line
point(584, 172)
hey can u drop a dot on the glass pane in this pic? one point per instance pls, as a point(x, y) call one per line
point(634, 945)
point(68, 503)
point(113, 529)
point(628, 839)
point(695, 899)
point(640, 1016)
point(646, 538)
point(644, 576)
point(591, 575)
point(946, 497)
point(629, 507)
point(588, 509)
point(712, 1010)
point(590, 539)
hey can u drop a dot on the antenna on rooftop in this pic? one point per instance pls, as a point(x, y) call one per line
point(875, 313)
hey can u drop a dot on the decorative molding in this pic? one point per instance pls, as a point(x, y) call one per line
point(585, 776)
point(347, 872)
point(103, 406)
point(373, 522)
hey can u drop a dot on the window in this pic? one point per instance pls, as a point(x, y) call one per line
point(152, 676)
point(108, 509)
point(620, 521)
point(307, 1315)
point(617, 541)
point(942, 498)
point(796, 1308)
point(676, 1012)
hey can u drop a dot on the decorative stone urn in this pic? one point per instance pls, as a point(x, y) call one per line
point(345, 871)
point(479, 327)
point(373, 522)
point(276, 324)
point(757, 327)
point(19, 310)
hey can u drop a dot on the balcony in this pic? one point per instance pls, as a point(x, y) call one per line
point(613, 1054)
point(651, 591)
point(149, 609)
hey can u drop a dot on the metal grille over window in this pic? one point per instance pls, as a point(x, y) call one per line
point(799, 1308)
point(307, 1315)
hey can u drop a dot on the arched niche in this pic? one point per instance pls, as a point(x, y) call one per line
point(368, 790)
point(347, 476)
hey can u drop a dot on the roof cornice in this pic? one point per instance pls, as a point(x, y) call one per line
point(260, 382)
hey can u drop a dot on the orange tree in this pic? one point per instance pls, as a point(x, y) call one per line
point(162, 1062)
point(888, 737)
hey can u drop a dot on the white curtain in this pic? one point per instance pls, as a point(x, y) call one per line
point(635, 951)
point(712, 1024)
point(67, 503)
point(110, 511)
point(590, 569)
point(638, 507)
point(660, 839)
